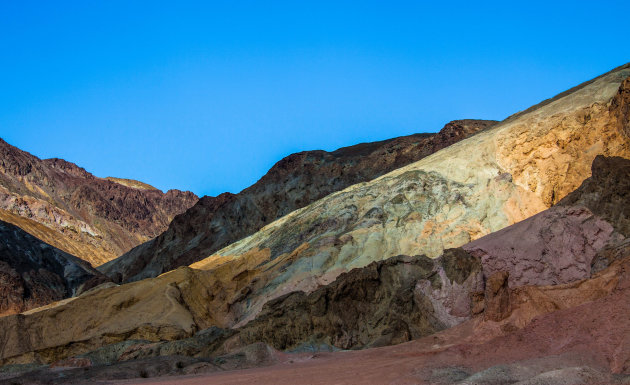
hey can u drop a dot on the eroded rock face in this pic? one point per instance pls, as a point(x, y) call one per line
point(384, 303)
point(587, 228)
point(554, 247)
point(497, 297)
point(292, 183)
point(92, 218)
point(607, 192)
point(473, 188)
point(33, 273)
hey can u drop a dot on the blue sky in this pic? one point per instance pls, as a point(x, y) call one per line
point(207, 96)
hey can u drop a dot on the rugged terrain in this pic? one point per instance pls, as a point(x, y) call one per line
point(33, 273)
point(92, 218)
point(505, 255)
point(294, 182)
point(473, 325)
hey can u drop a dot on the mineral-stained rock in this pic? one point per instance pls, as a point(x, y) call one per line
point(381, 304)
point(93, 218)
point(612, 252)
point(497, 297)
point(560, 245)
point(294, 182)
point(33, 273)
point(554, 247)
point(472, 188)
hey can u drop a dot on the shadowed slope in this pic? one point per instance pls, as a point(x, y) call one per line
point(33, 273)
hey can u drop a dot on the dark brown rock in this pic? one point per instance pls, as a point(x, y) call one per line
point(620, 107)
point(497, 297)
point(381, 304)
point(33, 273)
point(292, 183)
point(607, 192)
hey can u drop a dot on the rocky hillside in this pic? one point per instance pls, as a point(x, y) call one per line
point(33, 273)
point(92, 218)
point(472, 188)
point(465, 301)
point(294, 182)
point(451, 199)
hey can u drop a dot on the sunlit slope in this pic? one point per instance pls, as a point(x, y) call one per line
point(468, 190)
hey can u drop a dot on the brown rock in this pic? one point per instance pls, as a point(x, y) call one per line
point(620, 107)
point(497, 297)
point(94, 218)
point(33, 273)
point(73, 362)
point(607, 192)
point(387, 302)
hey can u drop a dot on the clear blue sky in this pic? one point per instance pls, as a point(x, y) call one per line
point(207, 96)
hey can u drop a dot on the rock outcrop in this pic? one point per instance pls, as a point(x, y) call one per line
point(607, 192)
point(384, 303)
point(92, 218)
point(497, 305)
point(33, 273)
point(292, 183)
point(588, 227)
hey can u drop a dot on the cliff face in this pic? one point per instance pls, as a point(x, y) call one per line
point(33, 273)
point(292, 183)
point(93, 218)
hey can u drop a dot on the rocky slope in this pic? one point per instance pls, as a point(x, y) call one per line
point(468, 298)
point(33, 273)
point(294, 182)
point(384, 303)
point(92, 218)
point(579, 335)
point(539, 265)
point(472, 188)
point(448, 200)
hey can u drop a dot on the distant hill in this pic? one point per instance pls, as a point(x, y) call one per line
point(92, 218)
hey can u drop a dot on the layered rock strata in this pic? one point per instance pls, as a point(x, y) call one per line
point(470, 189)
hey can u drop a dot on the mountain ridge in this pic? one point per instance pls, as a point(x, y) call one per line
point(99, 217)
point(292, 183)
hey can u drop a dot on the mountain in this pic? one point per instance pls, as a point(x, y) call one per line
point(504, 256)
point(472, 188)
point(33, 273)
point(449, 200)
point(92, 218)
point(292, 183)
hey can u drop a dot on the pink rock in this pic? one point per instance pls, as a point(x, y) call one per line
point(553, 247)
